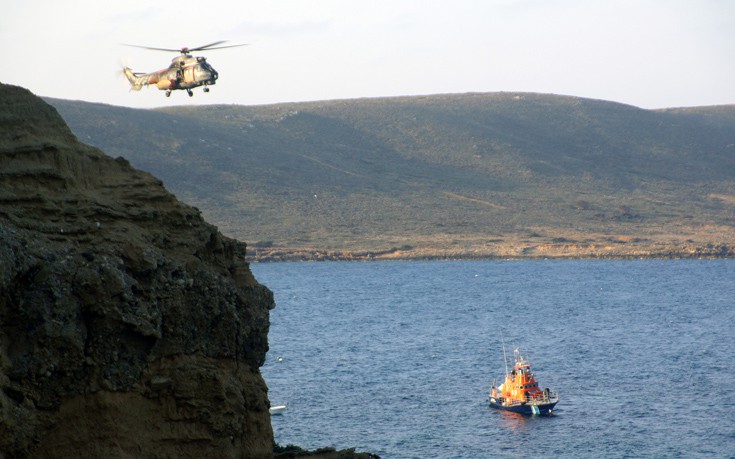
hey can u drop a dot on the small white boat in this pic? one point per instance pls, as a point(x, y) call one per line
point(277, 409)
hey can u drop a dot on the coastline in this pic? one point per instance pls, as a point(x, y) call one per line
point(537, 252)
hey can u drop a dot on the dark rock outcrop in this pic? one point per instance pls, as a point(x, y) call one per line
point(128, 325)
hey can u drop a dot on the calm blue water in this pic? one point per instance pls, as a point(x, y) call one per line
point(396, 358)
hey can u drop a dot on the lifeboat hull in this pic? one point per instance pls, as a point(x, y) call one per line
point(539, 409)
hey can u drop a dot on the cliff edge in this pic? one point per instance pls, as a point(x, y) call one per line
point(128, 325)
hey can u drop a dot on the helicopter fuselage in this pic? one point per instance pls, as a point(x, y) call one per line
point(185, 72)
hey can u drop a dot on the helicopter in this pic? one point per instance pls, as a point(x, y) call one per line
point(185, 72)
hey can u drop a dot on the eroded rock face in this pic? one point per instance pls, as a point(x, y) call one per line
point(128, 325)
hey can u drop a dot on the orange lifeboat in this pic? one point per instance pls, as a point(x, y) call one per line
point(520, 391)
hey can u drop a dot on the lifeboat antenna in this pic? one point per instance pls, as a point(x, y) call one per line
point(505, 357)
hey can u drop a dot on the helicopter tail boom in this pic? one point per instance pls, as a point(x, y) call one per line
point(136, 81)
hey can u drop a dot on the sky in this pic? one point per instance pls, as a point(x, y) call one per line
point(646, 53)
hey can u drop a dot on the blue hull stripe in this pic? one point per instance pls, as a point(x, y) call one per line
point(526, 409)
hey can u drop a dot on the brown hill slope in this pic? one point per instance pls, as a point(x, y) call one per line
point(470, 175)
point(128, 325)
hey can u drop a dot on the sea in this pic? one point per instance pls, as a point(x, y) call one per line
point(397, 358)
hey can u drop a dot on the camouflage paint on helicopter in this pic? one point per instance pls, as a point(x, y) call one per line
point(185, 72)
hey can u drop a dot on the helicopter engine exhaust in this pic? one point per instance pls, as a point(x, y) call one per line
point(165, 84)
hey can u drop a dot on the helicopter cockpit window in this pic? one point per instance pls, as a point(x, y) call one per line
point(201, 59)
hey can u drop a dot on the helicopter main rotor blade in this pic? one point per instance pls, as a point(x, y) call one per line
point(228, 46)
point(151, 48)
point(198, 48)
point(208, 47)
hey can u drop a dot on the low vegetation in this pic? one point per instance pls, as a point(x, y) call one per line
point(448, 176)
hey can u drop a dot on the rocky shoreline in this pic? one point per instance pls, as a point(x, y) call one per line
point(541, 252)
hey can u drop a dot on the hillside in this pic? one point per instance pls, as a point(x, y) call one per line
point(470, 175)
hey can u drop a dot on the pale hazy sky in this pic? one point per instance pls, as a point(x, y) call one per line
point(647, 53)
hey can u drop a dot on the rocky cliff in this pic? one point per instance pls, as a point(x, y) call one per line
point(128, 325)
